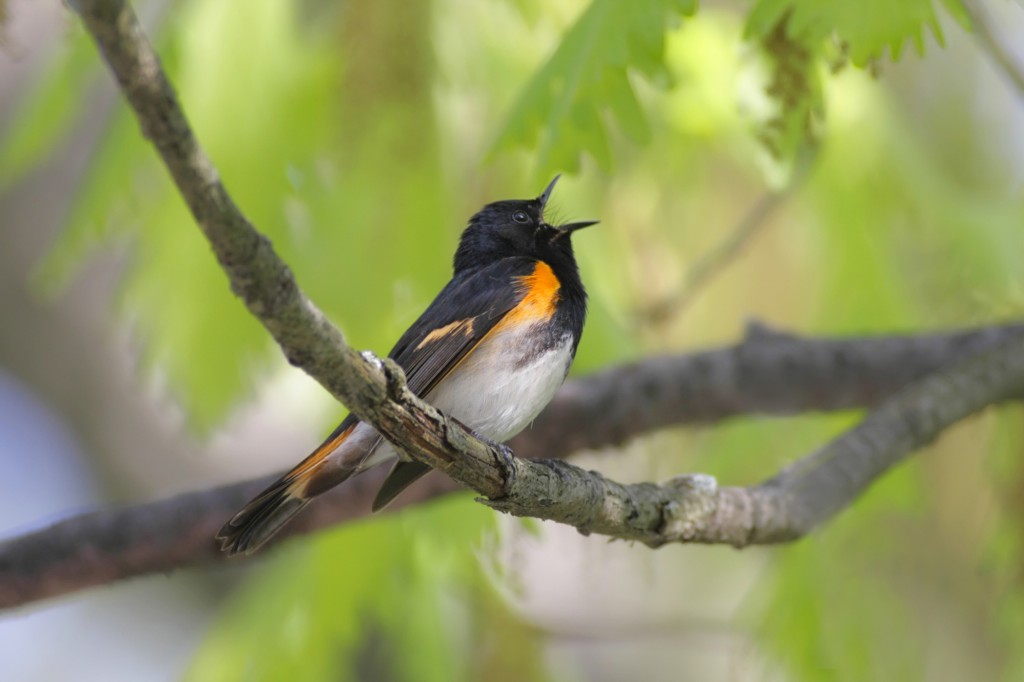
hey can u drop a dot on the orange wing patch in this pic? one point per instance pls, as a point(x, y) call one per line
point(464, 327)
point(541, 289)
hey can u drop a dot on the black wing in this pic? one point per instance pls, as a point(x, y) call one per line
point(458, 319)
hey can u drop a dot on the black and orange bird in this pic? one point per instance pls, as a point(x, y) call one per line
point(489, 351)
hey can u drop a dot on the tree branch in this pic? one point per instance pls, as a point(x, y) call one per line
point(769, 373)
point(809, 492)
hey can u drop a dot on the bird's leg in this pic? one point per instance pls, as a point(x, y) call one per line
point(504, 454)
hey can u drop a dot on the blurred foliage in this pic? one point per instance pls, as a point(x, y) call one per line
point(44, 116)
point(396, 608)
point(359, 138)
point(865, 29)
point(556, 118)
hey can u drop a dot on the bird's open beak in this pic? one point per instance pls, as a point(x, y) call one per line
point(572, 227)
point(543, 198)
point(568, 228)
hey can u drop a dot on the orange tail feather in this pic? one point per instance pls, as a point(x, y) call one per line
point(268, 512)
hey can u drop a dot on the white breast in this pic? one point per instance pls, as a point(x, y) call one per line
point(503, 385)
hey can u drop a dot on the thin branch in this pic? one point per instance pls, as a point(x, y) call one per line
point(990, 41)
point(712, 263)
point(769, 373)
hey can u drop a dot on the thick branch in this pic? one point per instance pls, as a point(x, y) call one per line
point(768, 373)
point(788, 506)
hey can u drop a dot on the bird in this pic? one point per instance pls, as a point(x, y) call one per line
point(490, 351)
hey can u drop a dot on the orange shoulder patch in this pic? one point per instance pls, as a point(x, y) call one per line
point(459, 326)
point(540, 290)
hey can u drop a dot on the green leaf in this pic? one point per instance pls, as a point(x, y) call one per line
point(866, 28)
point(559, 113)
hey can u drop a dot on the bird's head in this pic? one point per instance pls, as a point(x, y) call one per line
point(513, 228)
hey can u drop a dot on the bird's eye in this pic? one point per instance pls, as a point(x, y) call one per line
point(520, 217)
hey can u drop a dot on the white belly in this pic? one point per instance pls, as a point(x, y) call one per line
point(500, 388)
point(497, 390)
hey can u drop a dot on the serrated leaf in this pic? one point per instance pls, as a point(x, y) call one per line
point(868, 28)
point(558, 114)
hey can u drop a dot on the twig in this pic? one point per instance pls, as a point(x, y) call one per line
point(714, 261)
point(710, 264)
point(769, 373)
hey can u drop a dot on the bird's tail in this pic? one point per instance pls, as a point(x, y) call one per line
point(269, 511)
